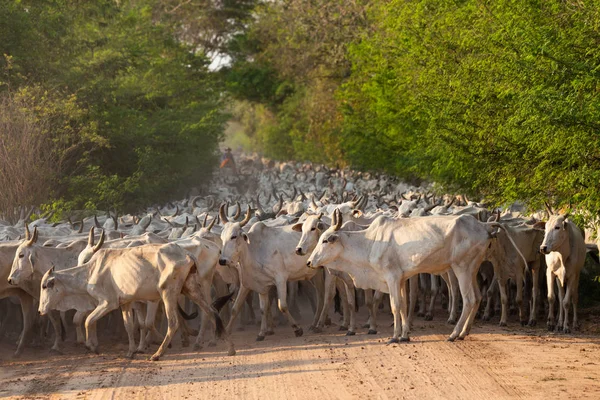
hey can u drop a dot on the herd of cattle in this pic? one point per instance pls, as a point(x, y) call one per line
point(355, 237)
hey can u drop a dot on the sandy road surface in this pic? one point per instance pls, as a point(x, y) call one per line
point(493, 363)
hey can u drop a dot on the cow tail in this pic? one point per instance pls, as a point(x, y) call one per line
point(185, 316)
point(355, 300)
point(220, 328)
point(221, 301)
point(337, 305)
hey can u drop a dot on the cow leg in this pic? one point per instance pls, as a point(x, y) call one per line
point(237, 306)
point(344, 303)
point(205, 288)
point(414, 292)
point(422, 294)
point(140, 315)
point(398, 304)
point(535, 277)
point(58, 329)
point(292, 289)
point(318, 281)
point(78, 320)
point(575, 301)
point(561, 310)
point(283, 307)
point(519, 299)
point(454, 293)
point(129, 327)
point(221, 290)
point(351, 296)
point(28, 315)
point(467, 280)
point(551, 298)
point(170, 303)
point(265, 309)
point(369, 293)
point(435, 289)
point(328, 296)
point(503, 300)
point(487, 315)
point(103, 308)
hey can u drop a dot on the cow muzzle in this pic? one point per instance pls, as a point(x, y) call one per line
point(309, 264)
point(222, 261)
point(299, 251)
point(544, 250)
point(10, 281)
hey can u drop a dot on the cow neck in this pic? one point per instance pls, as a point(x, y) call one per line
point(75, 278)
point(354, 250)
point(48, 257)
point(565, 247)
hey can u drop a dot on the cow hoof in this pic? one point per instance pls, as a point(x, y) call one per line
point(393, 340)
point(420, 314)
point(231, 352)
point(486, 317)
point(343, 328)
point(451, 339)
point(404, 339)
point(169, 346)
point(533, 322)
point(566, 330)
point(260, 338)
point(523, 323)
point(196, 347)
point(502, 323)
point(452, 321)
point(350, 333)
point(365, 326)
point(129, 355)
point(550, 328)
point(311, 328)
point(299, 332)
point(460, 338)
point(372, 332)
point(139, 351)
point(269, 333)
point(154, 358)
point(428, 317)
point(317, 329)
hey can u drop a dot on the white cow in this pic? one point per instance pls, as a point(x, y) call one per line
point(265, 257)
point(564, 247)
point(390, 251)
point(118, 277)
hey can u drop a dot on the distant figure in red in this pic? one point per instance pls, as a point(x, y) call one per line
point(227, 160)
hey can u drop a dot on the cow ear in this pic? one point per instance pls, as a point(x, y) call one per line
point(50, 283)
point(297, 227)
point(321, 226)
point(246, 238)
point(357, 213)
point(564, 224)
point(540, 226)
point(332, 238)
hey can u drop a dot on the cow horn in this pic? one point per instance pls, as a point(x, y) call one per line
point(96, 222)
point(116, 223)
point(294, 194)
point(91, 237)
point(148, 224)
point(212, 223)
point(258, 206)
point(211, 205)
point(185, 226)
point(313, 203)
point(80, 227)
point(223, 213)
point(194, 201)
point(320, 215)
point(548, 208)
point(34, 237)
point(303, 197)
point(167, 221)
point(136, 220)
point(338, 221)
point(100, 241)
point(238, 211)
point(451, 202)
point(176, 211)
point(280, 203)
point(27, 233)
point(402, 194)
point(466, 199)
point(430, 207)
point(322, 194)
point(204, 221)
point(247, 218)
point(497, 216)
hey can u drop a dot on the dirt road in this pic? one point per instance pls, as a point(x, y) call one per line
point(493, 363)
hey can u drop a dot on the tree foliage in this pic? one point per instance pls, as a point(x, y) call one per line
point(137, 107)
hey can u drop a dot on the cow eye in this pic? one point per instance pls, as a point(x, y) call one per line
point(233, 237)
point(557, 227)
point(21, 255)
point(44, 287)
point(313, 229)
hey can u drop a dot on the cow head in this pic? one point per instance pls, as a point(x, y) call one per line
point(311, 229)
point(556, 233)
point(22, 266)
point(52, 291)
point(328, 247)
point(232, 236)
point(91, 248)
